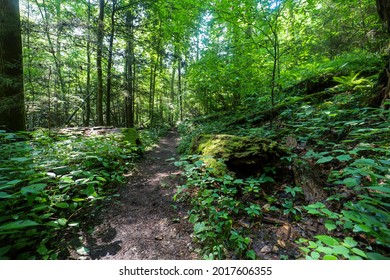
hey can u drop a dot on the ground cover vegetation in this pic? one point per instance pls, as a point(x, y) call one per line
point(282, 105)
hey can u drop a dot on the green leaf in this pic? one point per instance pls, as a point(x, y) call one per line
point(13, 182)
point(359, 252)
point(330, 225)
point(325, 250)
point(330, 257)
point(376, 256)
point(18, 225)
point(327, 240)
point(325, 159)
point(364, 162)
point(199, 163)
point(350, 182)
point(33, 189)
point(350, 242)
point(62, 221)
point(343, 157)
point(66, 179)
point(315, 255)
point(5, 195)
point(340, 250)
point(200, 227)
point(62, 205)
point(251, 255)
point(42, 250)
point(19, 159)
point(361, 228)
point(380, 189)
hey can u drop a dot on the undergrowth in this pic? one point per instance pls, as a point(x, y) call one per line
point(49, 182)
point(350, 144)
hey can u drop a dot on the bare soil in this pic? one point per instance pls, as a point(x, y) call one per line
point(144, 223)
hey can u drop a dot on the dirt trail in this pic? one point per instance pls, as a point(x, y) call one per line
point(144, 223)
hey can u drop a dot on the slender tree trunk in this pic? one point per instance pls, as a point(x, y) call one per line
point(100, 35)
point(58, 50)
point(49, 119)
point(383, 7)
point(109, 64)
point(88, 89)
point(382, 91)
point(12, 111)
point(130, 74)
point(29, 61)
point(172, 96)
point(179, 88)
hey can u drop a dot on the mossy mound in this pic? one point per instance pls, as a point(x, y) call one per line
point(132, 136)
point(243, 155)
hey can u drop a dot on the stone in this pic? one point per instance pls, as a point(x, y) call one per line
point(132, 136)
point(245, 156)
point(266, 249)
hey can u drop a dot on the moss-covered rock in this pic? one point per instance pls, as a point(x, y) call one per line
point(243, 155)
point(132, 136)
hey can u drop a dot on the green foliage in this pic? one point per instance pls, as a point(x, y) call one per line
point(329, 248)
point(48, 182)
point(352, 83)
point(215, 207)
point(346, 140)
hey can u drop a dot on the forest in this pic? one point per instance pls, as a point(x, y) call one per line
point(281, 110)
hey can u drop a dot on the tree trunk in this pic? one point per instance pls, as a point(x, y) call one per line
point(88, 90)
point(172, 97)
point(130, 72)
point(12, 111)
point(179, 88)
point(29, 60)
point(383, 7)
point(382, 90)
point(109, 64)
point(99, 97)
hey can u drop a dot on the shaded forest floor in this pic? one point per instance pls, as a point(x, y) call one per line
point(143, 222)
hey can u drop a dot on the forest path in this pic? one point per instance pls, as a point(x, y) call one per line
point(142, 223)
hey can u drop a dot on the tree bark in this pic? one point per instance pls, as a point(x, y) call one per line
point(12, 111)
point(109, 64)
point(383, 7)
point(130, 74)
point(382, 91)
point(88, 90)
point(100, 34)
point(179, 88)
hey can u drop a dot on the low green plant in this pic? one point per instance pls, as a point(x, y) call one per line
point(352, 82)
point(48, 182)
point(329, 248)
point(215, 205)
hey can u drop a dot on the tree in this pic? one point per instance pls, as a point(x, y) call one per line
point(109, 63)
point(383, 7)
point(99, 57)
point(130, 71)
point(383, 93)
point(12, 112)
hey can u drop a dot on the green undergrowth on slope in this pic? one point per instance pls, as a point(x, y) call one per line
point(341, 136)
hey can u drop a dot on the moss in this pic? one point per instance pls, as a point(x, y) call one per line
point(132, 136)
point(242, 155)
